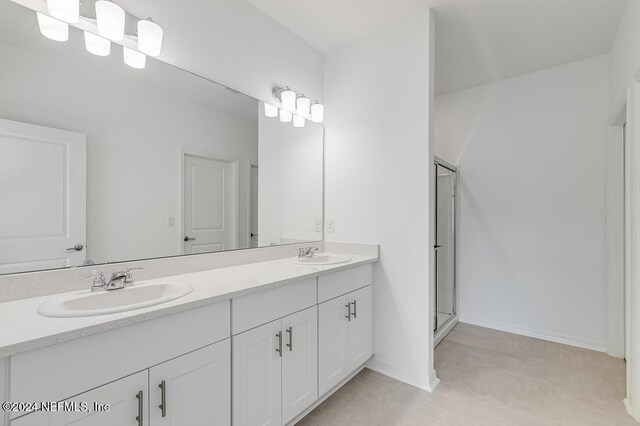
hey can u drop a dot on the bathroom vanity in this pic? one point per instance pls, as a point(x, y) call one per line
point(260, 343)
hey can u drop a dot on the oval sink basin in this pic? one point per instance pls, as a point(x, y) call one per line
point(321, 259)
point(87, 303)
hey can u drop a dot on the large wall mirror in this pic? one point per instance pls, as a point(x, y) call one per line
point(100, 162)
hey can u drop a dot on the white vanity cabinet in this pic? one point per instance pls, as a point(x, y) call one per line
point(275, 370)
point(345, 330)
point(192, 389)
point(127, 399)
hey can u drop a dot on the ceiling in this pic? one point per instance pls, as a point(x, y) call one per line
point(477, 41)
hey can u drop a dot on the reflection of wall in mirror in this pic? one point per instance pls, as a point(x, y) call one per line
point(135, 132)
point(291, 167)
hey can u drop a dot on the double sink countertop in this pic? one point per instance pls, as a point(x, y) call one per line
point(24, 329)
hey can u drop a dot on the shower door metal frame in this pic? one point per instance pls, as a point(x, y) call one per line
point(453, 169)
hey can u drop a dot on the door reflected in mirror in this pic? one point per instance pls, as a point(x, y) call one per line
point(100, 162)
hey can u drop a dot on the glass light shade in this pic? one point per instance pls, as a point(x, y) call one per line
point(110, 19)
point(317, 113)
point(288, 100)
point(285, 116)
point(65, 10)
point(298, 121)
point(270, 110)
point(97, 45)
point(52, 28)
point(303, 106)
point(133, 58)
point(149, 37)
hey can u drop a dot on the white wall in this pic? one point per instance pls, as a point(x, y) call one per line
point(625, 53)
point(531, 151)
point(135, 133)
point(290, 181)
point(377, 181)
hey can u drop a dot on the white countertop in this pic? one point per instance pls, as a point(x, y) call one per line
point(23, 329)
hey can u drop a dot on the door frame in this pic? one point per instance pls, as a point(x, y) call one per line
point(235, 172)
point(632, 287)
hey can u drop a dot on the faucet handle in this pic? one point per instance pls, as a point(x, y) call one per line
point(98, 279)
point(127, 274)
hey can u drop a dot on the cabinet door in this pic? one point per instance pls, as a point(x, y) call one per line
point(193, 389)
point(257, 376)
point(122, 396)
point(299, 362)
point(360, 327)
point(332, 343)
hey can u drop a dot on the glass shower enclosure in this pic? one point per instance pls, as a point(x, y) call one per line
point(445, 245)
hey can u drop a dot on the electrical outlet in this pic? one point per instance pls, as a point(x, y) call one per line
point(330, 225)
point(172, 222)
point(318, 225)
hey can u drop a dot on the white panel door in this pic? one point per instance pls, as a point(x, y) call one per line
point(43, 197)
point(299, 362)
point(210, 204)
point(333, 343)
point(127, 400)
point(254, 206)
point(193, 389)
point(257, 376)
point(360, 327)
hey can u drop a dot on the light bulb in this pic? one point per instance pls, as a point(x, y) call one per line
point(288, 100)
point(317, 113)
point(97, 45)
point(133, 58)
point(65, 10)
point(270, 110)
point(285, 116)
point(110, 19)
point(52, 28)
point(298, 121)
point(303, 105)
point(149, 37)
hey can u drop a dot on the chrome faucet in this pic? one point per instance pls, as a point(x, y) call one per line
point(306, 252)
point(118, 280)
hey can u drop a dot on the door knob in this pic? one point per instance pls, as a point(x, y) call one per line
point(189, 239)
point(77, 247)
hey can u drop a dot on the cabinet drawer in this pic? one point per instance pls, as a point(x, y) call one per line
point(260, 308)
point(339, 283)
point(60, 371)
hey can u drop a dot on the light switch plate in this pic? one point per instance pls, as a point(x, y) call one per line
point(330, 225)
point(318, 225)
point(172, 222)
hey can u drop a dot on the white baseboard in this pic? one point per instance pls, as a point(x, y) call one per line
point(551, 337)
point(391, 370)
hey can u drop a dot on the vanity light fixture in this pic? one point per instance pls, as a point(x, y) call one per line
point(97, 45)
point(298, 121)
point(133, 58)
point(110, 18)
point(286, 116)
point(317, 112)
point(149, 37)
point(270, 110)
point(303, 105)
point(64, 10)
point(53, 29)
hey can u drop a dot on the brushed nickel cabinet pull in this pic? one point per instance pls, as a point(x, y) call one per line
point(290, 344)
point(279, 348)
point(163, 398)
point(348, 306)
point(355, 309)
point(140, 418)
